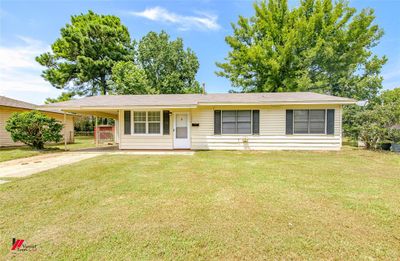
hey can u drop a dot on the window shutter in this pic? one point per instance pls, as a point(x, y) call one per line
point(256, 122)
point(166, 122)
point(289, 122)
point(127, 122)
point(217, 122)
point(330, 122)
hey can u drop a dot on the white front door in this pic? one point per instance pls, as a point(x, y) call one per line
point(181, 130)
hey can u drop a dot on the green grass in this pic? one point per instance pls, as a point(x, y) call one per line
point(213, 205)
point(10, 153)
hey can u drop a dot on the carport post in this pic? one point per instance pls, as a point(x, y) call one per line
point(65, 131)
point(96, 131)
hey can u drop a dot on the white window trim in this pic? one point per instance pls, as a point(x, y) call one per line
point(146, 123)
point(237, 134)
point(311, 134)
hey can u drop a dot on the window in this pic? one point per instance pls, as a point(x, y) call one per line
point(317, 121)
point(146, 122)
point(309, 121)
point(139, 122)
point(154, 120)
point(236, 122)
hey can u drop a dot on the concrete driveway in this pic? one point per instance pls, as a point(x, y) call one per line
point(27, 166)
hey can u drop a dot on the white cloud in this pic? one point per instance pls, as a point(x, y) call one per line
point(22, 56)
point(204, 21)
point(20, 74)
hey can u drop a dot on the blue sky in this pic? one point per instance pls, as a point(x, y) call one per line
point(27, 28)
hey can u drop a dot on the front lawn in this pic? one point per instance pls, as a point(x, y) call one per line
point(10, 153)
point(213, 205)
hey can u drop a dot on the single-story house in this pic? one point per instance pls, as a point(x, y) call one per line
point(225, 121)
point(8, 106)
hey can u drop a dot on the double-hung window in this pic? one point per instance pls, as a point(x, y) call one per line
point(309, 121)
point(144, 122)
point(139, 122)
point(236, 122)
point(153, 122)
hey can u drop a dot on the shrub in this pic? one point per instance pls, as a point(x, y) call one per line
point(374, 124)
point(394, 135)
point(33, 128)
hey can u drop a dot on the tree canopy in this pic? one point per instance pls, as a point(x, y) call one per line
point(373, 122)
point(95, 55)
point(161, 66)
point(84, 55)
point(128, 78)
point(318, 46)
point(64, 96)
point(169, 67)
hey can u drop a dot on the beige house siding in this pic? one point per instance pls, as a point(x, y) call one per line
point(5, 113)
point(144, 142)
point(272, 132)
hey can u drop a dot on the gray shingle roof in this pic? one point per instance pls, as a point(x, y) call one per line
point(116, 101)
point(8, 102)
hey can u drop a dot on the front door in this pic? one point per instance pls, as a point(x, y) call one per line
point(181, 130)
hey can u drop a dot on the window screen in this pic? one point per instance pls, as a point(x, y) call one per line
point(243, 122)
point(236, 122)
point(317, 121)
point(301, 121)
point(309, 121)
point(229, 122)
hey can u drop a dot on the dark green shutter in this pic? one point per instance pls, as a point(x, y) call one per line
point(256, 122)
point(330, 122)
point(217, 122)
point(166, 122)
point(289, 122)
point(127, 122)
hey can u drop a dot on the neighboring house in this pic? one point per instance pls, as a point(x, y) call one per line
point(231, 121)
point(8, 106)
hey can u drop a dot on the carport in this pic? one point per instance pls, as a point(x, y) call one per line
point(102, 113)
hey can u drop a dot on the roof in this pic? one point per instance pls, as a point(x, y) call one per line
point(8, 102)
point(193, 100)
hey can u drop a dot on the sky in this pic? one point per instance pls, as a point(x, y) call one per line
point(29, 27)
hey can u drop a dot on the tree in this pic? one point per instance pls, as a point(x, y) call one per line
point(373, 123)
point(390, 97)
point(169, 68)
point(128, 78)
point(65, 96)
point(33, 128)
point(82, 58)
point(318, 46)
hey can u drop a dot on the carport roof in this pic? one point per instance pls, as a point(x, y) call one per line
point(13, 103)
point(193, 100)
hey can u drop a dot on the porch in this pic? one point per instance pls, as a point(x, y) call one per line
point(141, 130)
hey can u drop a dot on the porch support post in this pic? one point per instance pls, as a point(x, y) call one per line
point(65, 131)
point(96, 131)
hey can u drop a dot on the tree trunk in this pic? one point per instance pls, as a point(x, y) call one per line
point(103, 84)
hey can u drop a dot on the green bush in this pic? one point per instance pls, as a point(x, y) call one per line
point(372, 123)
point(33, 128)
point(394, 135)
